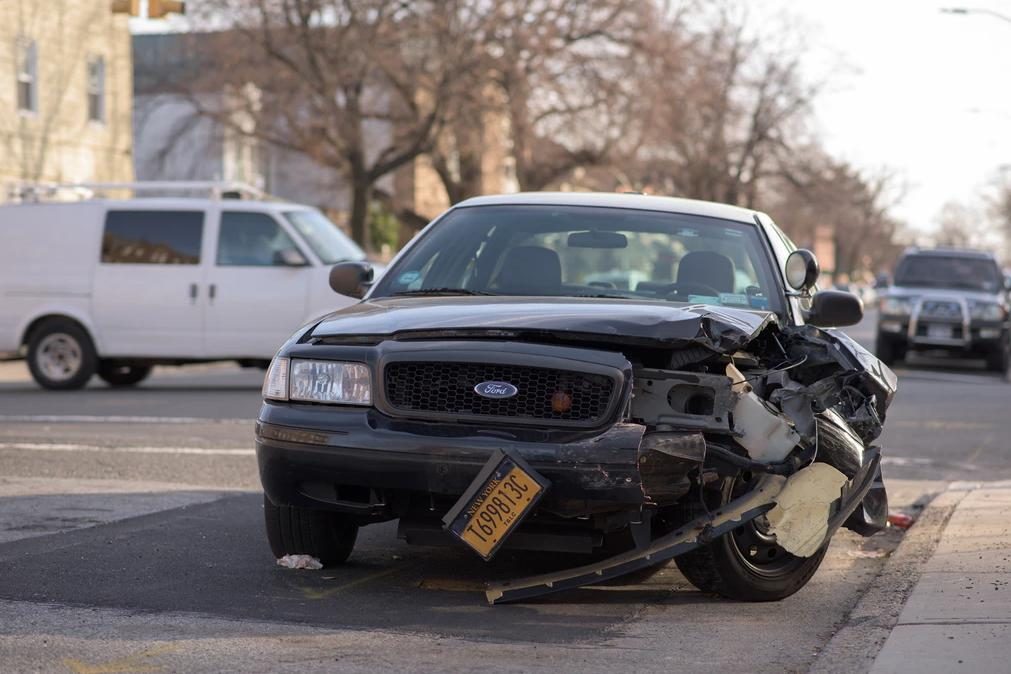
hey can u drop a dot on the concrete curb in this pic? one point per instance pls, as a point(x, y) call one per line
point(860, 638)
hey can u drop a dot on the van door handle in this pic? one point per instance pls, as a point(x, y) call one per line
point(212, 291)
point(194, 289)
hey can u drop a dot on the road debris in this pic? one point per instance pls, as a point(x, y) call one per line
point(901, 520)
point(300, 562)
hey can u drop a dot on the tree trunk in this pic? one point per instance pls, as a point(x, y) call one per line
point(361, 194)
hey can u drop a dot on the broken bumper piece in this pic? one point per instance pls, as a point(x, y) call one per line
point(692, 535)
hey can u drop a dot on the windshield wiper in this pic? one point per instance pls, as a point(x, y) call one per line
point(441, 291)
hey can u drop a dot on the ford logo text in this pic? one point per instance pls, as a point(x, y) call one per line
point(496, 389)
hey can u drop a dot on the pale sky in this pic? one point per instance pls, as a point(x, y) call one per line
point(909, 88)
point(925, 93)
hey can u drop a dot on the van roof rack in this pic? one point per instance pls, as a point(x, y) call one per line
point(41, 191)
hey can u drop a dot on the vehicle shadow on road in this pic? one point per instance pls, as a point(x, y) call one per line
point(213, 559)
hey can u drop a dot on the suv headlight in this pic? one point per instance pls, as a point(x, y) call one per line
point(987, 311)
point(896, 306)
point(330, 381)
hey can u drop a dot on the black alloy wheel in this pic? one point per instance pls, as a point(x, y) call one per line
point(746, 564)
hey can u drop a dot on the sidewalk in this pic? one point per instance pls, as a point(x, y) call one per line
point(958, 617)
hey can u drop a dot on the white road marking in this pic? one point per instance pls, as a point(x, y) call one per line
point(74, 447)
point(85, 419)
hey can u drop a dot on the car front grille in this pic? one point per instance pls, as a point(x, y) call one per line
point(543, 395)
point(941, 310)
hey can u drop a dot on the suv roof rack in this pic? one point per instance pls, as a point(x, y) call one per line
point(27, 192)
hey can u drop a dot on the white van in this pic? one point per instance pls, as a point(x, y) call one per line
point(113, 287)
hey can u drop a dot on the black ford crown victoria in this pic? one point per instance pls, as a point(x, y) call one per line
point(645, 377)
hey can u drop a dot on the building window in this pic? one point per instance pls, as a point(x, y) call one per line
point(96, 89)
point(28, 81)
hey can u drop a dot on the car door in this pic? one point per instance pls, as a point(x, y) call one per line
point(146, 289)
point(257, 286)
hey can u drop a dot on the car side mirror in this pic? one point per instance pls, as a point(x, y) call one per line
point(802, 270)
point(290, 257)
point(351, 278)
point(835, 309)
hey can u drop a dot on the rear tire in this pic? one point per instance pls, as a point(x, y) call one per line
point(746, 564)
point(120, 375)
point(292, 530)
point(61, 355)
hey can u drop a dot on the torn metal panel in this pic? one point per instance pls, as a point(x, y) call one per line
point(699, 531)
point(682, 399)
point(666, 460)
point(803, 509)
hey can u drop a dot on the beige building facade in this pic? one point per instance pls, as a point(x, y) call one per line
point(65, 92)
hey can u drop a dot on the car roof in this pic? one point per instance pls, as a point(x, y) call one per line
point(949, 252)
point(617, 200)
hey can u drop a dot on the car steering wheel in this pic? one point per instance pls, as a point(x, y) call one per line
point(689, 288)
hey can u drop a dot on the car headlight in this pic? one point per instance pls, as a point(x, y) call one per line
point(896, 306)
point(987, 311)
point(330, 381)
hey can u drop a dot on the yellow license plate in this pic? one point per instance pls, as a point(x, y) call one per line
point(502, 495)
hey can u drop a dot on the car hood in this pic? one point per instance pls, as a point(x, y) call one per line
point(943, 293)
point(718, 328)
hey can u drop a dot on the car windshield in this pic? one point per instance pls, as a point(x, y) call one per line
point(936, 271)
point(580, 251)
point(326, 240)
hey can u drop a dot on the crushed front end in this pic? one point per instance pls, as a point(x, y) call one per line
point(653, 442)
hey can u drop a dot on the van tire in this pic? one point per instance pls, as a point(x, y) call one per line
point(325, 535)
point(120, 375)
point(61, 355)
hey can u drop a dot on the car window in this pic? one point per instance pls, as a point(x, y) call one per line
point(586, 251)
point(152, 237)
point(329, 243)
point(248, 239)
point(942, 271)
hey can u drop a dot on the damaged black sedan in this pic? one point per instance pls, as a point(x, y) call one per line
point(632, 378)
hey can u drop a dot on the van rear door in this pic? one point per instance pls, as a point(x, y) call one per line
point(148, 293)
point(258, 283)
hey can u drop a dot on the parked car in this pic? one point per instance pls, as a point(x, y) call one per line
point(114, 287)
point(946, 300)
point(485, 394)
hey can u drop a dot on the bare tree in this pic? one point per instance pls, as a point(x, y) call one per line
point(361, 86)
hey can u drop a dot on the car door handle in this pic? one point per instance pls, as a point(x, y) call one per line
point(212, 291)
point(194, 290)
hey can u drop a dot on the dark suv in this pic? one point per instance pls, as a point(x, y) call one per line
point(945, 300)
point(582, 373)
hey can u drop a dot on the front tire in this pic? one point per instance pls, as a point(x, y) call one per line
point(120, 375)
point(746, 564)
point(292, 530)
point(887, 351)
point(61, 355)
point(999, 360)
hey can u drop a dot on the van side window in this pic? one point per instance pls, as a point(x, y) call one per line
point(251, 240)
point(152, 237)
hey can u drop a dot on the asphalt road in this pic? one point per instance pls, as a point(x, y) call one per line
point(131, 540)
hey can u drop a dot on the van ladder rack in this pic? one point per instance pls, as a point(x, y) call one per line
point(43, 191)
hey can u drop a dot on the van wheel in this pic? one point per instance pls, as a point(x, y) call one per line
point(746, 564)
point(122, 374)
point(325, 535)
point(61, 355)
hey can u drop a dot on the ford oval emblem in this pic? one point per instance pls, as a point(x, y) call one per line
point(496, 389)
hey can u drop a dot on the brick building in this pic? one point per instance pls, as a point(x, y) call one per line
point(65, 106)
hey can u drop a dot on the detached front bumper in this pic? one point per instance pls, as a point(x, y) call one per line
point(361, 462)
